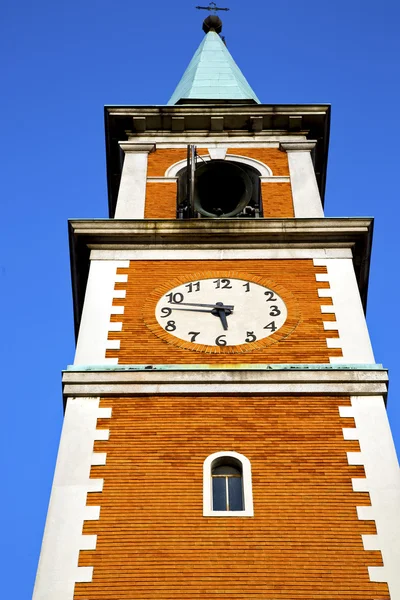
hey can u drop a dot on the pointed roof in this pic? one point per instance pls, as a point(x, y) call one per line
point(213, 75)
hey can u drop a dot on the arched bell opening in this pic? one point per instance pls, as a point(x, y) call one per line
point(222, 189)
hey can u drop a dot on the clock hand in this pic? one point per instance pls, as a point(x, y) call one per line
point(218, 305)
point(221, 312)
point(191, 309)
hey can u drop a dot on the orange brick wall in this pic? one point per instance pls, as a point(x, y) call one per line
point(161, 197)
point(306, 343)
point(160, 201)
point(274, 158)
point(277, 200)
point(304, 542)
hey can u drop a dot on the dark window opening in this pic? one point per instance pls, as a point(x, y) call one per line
point(227, 486)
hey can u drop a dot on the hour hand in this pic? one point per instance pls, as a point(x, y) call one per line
point(222, 311)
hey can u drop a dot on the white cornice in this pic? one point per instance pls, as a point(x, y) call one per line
point(298, 146)
point(137, 147)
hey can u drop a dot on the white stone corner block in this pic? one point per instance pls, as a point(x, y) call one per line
point(102, 435)
point(350, 433)
point(319, 262)
point(99, 459)
point(115, 326)
point(88, 542)
point(370, 542)
point(378, 575)
point(95, 485)
point(121, 278)
point(119, 294)
point(365, 513)
point(346, 411)
point(321, 276)
point(110, 361)
point(91, 513)
point(355, 459)
point(330, 325)
point(327, 309)
point(334, 343)
point(104, 413)
point(84, 574)
point(360, 484)
point(117, 310)
point(324, 293)
point(113, 344)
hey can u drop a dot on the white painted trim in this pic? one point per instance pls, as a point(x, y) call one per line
point(378, 455)
point(219, 254)
point(261, 167)
point(162, 179)
point(58, 565)
point(307, 201)
point(247, 486)
point(347, 307)
point(132, 187)
point(97, 310)
point(275, 179)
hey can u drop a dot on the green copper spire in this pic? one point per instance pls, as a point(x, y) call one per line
point(212, 75)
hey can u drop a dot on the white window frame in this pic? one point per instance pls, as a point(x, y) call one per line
point(246, 482)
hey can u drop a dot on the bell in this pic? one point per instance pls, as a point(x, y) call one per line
point(222, 189)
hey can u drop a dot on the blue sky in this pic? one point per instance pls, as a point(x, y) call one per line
point(63, 62)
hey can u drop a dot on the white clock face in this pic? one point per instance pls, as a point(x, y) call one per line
point(221, 312)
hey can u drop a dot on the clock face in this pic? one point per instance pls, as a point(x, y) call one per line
point(221, 312)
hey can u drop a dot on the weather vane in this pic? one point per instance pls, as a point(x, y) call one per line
point(212, 7)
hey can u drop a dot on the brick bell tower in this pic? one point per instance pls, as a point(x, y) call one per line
point(225, 432)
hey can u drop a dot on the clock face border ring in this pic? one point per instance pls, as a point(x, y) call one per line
point(282, 333)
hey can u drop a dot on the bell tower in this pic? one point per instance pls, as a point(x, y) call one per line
point(225, 431)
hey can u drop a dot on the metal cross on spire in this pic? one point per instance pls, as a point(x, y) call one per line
point(212, 7)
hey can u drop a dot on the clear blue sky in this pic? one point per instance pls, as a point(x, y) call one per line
point(62, 62)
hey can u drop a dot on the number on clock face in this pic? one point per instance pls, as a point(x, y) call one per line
point(221, 312)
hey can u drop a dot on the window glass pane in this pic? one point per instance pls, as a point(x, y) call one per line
point(235, 490)
point(226, 470)
point(219, 493)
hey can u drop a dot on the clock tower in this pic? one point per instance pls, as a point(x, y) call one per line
point(225, 431)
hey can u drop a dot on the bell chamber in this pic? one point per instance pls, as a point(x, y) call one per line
point(220, 189)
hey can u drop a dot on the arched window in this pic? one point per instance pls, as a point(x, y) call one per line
point(227, 490)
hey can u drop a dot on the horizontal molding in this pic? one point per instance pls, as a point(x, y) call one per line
point(214, 254)
point(126, 383)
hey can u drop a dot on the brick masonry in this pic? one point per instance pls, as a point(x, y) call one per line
point(153, 542)
point(305, 342)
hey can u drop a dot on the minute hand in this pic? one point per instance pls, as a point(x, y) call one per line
point(218, 306)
